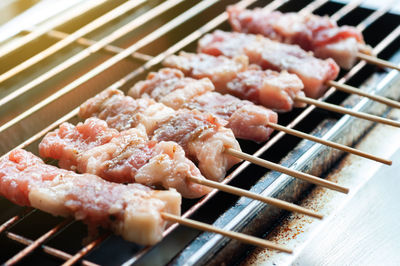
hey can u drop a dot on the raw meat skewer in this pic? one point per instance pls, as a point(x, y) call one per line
point(201, 136)
point(128, 157)
point(186, 127)
point(137, 213)
point(316, 74)
point(122, 157)
point(245, 119)
point(132, 211)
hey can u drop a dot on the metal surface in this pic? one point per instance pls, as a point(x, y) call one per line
point(360, 229)
point(77, 10)
point(367, 230)
point(31, 16)
point(29, 121)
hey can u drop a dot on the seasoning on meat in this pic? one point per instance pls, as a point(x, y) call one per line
point(314, 33)
point(234, 76)
point(247, 120)
point(219, 69)
point(124, 157)
point(122, 113)
point(201, 135)
point(268, 54)
point(132, 211)
point(170, 88)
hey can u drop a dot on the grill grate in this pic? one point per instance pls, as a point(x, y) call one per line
point(154, 23)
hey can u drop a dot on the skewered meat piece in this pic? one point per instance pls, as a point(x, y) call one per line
point(170, 88)
point(122, 113)
point(201, 135)
point(233, 76)
point(268, 54)
point(314, 33)
point(204, 139)
point(219, 69)
point(247, 120)
point(126, 157)
point(132, 211)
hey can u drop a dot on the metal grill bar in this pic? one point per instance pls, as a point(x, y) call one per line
point(85, 250)
point(212, 24)
point(217, 21)
point(73, 13)
point(88, 42)
point(47, 129)
point(378, 48)
point(312, 6)
point(383, 44)
point(328, 93)
point(389, 39)
point(49, 250)
point(263, 149)
point(167, 27)
point(375, 16)
point(346, 9)
point(26, 251)
point(12, 221)
point(84, 54)
point(95, 24)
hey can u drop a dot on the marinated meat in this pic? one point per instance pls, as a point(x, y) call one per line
point(122, 113)
point(233, 76)
point(247, 120)
point(203, 138)
point(127, 157)
point(268, 54)
point(133, 211)
point(219, 69)
point(170, 88)
point(314, 33)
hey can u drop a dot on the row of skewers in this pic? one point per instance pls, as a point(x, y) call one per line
point(146, 141)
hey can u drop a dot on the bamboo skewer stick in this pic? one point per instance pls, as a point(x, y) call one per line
point(276, 167)
point(377, 61)
point(342, 110)
point(244, 193)
point(234, 235)
point(328, 143)
point(88, 42)
point(350, 89)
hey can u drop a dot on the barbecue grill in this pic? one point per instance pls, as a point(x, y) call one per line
point(103, 48)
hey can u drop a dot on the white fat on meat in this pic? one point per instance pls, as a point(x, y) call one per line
point(220, 70)
point(170, 87)
point(268, 54)
point(127, 157)
point(132, 211)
